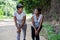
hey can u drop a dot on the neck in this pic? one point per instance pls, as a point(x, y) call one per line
point(37, 15)
point(19, 12)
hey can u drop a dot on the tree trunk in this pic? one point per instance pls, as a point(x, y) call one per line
point(55, 10)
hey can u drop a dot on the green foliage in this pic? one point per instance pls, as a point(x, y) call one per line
point(7, 7)
point(31, 4)
point(51, 35)
point(1, 12)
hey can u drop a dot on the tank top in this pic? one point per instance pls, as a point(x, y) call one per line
point(37, 22)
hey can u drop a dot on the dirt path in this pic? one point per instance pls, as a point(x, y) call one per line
point(8, 30)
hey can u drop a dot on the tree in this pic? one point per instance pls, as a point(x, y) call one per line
point(31, 4)
point(7, 7)
point(55, 10)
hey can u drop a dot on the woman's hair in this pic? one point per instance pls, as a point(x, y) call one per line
point(19, 6)
point(39, 10)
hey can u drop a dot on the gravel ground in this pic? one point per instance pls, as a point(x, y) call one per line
point(8, 30)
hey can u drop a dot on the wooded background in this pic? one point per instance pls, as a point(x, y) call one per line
point(50, 8)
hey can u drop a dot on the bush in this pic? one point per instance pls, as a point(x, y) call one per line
point(51, 35)
point(1, 12)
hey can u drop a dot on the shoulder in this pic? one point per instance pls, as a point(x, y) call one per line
point(33, 15)
point(15, 13)
point(23, 13)
point(42, 16)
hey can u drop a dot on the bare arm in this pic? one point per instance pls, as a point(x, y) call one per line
point(15, 20)
point(23, 21)
point(33, 23)
point(40, 23)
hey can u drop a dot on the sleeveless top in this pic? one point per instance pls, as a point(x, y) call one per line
point(37, 22)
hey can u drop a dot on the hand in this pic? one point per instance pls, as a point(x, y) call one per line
point(18, 30)
point(36, 33)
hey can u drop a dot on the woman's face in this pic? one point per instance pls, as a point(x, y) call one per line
point(20, 10)
point(36, 11)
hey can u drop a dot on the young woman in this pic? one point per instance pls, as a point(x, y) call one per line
point(20, 21)
point(37, 20)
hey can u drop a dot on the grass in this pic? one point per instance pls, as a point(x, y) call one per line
point(48, 32)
